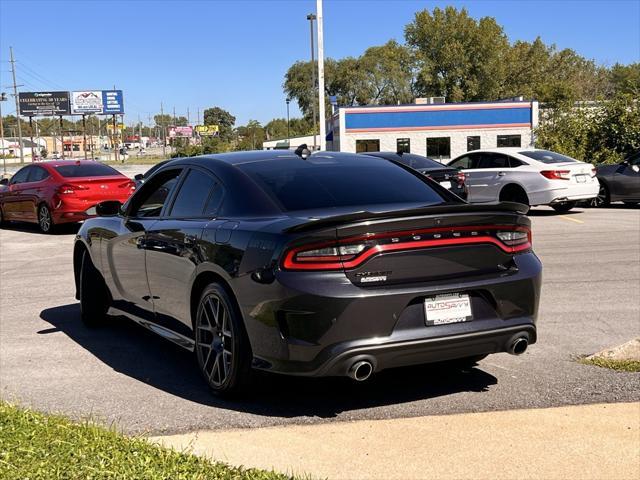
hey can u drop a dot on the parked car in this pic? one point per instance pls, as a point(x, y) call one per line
point(56, 192)
point(450, 178)
point(619, 182)
point(141, 178)
point(327, 264)
point(528, 176)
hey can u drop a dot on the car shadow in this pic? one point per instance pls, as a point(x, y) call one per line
point(139, 354)
point(63, 229)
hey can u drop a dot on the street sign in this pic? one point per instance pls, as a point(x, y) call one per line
point(208, 130)
point(180, 132)
point(97, 102)
point(43, 103)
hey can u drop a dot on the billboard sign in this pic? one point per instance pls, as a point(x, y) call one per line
point(208, 130)
point(180, 132)
point(86, 103)
point(97, 102)
point(43, 103)
point(112, 102)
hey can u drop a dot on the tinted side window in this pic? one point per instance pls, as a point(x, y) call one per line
point(493, 160)
point(21, 176)
point(37, 174)
point(462, 162)
point(215, 201)
point(193, 195)
point(514, 162)
point(150, 199)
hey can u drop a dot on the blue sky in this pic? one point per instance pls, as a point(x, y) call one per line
point(197, 53)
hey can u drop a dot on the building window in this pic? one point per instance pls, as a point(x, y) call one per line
point(473, 143)
point(367, 146)
point(403, 145)
point(439, 148)
point(509, 140)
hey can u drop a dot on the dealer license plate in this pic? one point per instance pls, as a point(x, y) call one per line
point(450, 308)
point(446, 184)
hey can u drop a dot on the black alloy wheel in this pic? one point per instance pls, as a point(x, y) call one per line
point(603, 199)
point(221, 344)
point(93, 293)
point(45, 221)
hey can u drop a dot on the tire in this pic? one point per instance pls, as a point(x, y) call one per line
point(94, 294)
point(564, 207)
point(45, 220)
point(221, 343)
point(514, 193)
point(2, 221)
point(604, 198)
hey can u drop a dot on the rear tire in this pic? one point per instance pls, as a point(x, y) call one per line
point(45, 220)
point(221, 342)
point(603, 199)
point(94, 295)
point(564, 207)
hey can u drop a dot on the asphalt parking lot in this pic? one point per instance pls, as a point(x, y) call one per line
point(124, 375)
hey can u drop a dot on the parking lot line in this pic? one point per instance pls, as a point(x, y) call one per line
point(564, 217)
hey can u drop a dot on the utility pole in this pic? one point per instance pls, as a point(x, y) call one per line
point(163, 133)
point(311, 17)
point(288, 132)
point(3, 98)
point(322, 120)
point(15, 94)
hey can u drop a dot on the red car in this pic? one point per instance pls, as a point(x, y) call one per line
point(55, 192)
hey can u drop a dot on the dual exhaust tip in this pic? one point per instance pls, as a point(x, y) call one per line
point(362, 369)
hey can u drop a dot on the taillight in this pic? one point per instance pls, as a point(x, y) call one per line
point(354, 251)
point(556, 174)
point(68, 189)
point(131, 185)
point(594, 171)
point(460, 178)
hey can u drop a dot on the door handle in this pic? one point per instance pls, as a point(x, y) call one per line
point(501, 174)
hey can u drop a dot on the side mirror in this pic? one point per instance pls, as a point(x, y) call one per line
point(4, 181)
point(138, 177)
point(108, 208)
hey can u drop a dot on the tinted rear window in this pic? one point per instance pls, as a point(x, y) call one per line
point(417, 162)
point(86, 170)
point(319, 183)
point(546, 156)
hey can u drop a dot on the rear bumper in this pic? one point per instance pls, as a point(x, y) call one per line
point(69, 210)
point(321, 325)
point(559, 193)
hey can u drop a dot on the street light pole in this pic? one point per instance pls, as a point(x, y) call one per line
point(311, 17)
point(322, 120)
point(288, 132)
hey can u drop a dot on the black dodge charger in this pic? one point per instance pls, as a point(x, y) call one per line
point(328, 264)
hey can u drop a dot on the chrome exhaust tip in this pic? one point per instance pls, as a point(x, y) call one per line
point(361, 370)
point(518, 346)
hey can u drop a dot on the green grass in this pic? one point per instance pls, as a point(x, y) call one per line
point(38, 446)
point(620, 365)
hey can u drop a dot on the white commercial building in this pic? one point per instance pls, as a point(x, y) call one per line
point(438, 130)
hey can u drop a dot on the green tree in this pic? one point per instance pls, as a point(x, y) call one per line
point(250, 136)
point(457, 56)
point(388, 74)
point(625, 79)
point(225, 122)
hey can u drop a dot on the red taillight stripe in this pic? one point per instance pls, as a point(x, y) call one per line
point(324, 262)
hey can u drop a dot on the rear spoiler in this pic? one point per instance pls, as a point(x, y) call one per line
point(508, 207)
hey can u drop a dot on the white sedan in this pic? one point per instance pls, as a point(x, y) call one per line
point(527, 175)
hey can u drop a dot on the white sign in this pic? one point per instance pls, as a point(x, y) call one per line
point(451, 308)
point(88, 102)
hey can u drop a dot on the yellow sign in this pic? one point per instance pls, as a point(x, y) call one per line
point(208, 130)
point(119, 126)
